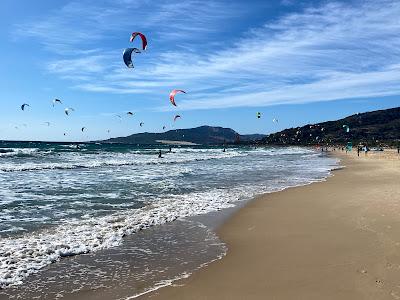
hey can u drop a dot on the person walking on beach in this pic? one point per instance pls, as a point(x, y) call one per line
point(358, 150)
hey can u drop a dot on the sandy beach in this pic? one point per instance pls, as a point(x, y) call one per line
point(338, 239)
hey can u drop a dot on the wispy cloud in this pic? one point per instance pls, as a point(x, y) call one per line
point(81, 24)
point(334, 51)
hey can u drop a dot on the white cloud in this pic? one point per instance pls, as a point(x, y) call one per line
point(335, 51)
point(81, 65)
point(287, 2)
point(83, 23)
point(339, 86)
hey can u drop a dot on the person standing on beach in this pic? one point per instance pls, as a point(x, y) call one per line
point(358, 150)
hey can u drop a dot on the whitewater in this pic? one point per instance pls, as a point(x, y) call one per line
point(58, 200)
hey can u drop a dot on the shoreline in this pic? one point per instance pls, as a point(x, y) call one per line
point(215, 225)
point(241, 230)
point(156, 255)
point(318, 246)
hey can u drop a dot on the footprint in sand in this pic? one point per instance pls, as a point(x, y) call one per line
point(389, 266)
point(379, 282)
point(394, 295)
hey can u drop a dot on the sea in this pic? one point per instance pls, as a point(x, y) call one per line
point(78, 220)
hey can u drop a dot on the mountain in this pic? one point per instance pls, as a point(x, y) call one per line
point(372, 128)
point(204, 135)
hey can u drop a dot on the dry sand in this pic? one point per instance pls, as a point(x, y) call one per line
point(338, 239)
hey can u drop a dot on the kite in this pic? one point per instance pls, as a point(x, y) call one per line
point(127, 56)
point(142, 36)
point(68, 110)
point(56, 101)
point(24, 105)
point(172, 96)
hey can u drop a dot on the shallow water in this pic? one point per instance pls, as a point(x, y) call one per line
point(58, 201)
point(149, 259)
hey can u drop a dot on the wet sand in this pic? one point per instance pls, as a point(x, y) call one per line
point(338, 239)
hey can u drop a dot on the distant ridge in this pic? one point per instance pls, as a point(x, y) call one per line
point(203, 135)
point(372, 128)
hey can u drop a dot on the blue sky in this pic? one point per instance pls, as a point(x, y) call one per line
point(298, 61)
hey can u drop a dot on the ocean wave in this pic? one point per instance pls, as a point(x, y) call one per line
point(22, 256)
point(191, 189)
point(88, 162)
point(17, 152)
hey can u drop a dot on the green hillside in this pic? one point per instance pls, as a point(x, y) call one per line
point(381, 127)
point(204, 135)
